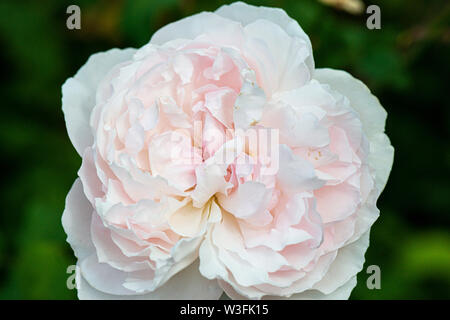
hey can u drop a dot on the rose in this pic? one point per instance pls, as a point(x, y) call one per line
point(174, 200)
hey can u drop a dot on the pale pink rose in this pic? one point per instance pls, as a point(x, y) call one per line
point(173, 200)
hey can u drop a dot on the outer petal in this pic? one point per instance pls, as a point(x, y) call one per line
point(79, 92)
point(246, 14)
point(102, 275)
point(341, 293)
point(349, 261)
point(76, 221)
point(187, 284)
point(372, 115)
point(204, 23)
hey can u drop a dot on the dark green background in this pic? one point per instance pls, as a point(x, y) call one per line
point(406, 64)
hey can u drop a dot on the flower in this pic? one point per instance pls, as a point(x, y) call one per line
point(217, 158)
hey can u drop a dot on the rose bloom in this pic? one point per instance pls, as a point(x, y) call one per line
point(162, 211)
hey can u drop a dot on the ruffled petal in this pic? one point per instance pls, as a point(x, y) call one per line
point(76, 221)
point(372, 115)
point(187, 284)
point(79, 94)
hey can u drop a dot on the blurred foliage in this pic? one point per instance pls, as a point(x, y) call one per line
point(406, 64)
